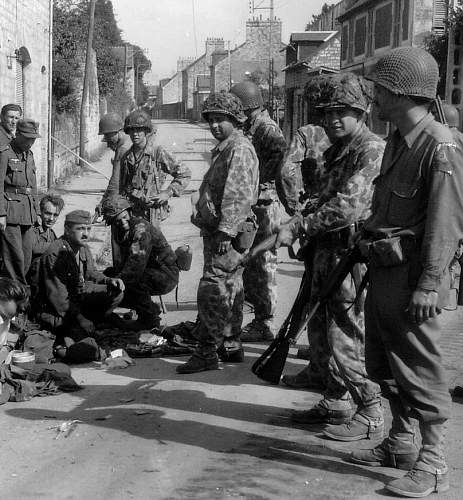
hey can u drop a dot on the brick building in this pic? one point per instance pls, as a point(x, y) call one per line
point(308, 54)
point(25, 67)
point(263, 42)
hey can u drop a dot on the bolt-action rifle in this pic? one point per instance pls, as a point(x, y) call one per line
point(269, 366)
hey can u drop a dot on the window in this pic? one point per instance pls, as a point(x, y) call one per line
point(456, 57)
point(344, 41)
point(360, 36)
point(456, 76)
point(405, 19)
point(383, 26)
point(456, 96)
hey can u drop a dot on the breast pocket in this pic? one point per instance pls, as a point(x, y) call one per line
point(15, 173)
point(406, 204)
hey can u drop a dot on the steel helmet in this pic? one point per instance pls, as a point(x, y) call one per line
point(451, 114)
point(224, 103)
point(110, 122)
point(138, 119)
point(249, 94)
point(113, 206)
point(344, 89)
point(409, 71)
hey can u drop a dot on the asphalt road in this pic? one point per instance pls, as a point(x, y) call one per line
point(146, 432)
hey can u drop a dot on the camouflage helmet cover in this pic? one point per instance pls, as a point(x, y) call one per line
point(138, 119)
point(407, 71)
point(224, 103)
point(249, 94)
point(344, 90)
point(113, 206)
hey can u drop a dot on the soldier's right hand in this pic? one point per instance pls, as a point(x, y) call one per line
point(3, 223)
point(286, 236)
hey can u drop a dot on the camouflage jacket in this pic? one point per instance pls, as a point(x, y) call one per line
point(143, 176)
point(270, 146)
point(232, 182)
point(302, 166)
point(347, 183)
point(142, 247)
point(420, 190)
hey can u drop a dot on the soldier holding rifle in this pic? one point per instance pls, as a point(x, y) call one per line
point(336, 332)
point(411, 237)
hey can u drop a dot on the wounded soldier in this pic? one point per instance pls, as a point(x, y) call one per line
point(72, 294)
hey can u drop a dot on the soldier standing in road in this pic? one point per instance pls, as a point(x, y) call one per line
point(336, 333)
point(411, 237)
point(111, 128)
point(9, 117)
point(144, 168)
point(145, 262)
point(18, 201)
point(259, 277)
point(224, 213)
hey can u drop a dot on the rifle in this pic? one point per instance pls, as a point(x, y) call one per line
point(269, 366)
point(440, 110)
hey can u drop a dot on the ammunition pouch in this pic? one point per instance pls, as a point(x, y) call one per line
point(246, 233)
point(389, 252)
point(205, 214)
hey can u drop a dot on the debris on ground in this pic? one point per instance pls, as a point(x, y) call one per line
point(66, 428)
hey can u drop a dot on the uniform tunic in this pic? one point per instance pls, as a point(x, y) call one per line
point(231, 186)
point(419, 194)
point(336, 333)
point(259, 277)
point(143, 176)
point(19, 202)
point(41, 240)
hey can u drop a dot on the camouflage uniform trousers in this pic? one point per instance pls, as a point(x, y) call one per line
point(337, 335)
point(260, 286)
point(220, 296)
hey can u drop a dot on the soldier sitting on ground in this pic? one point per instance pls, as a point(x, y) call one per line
point(50, 208)
point(72, 294)
point(145, 262)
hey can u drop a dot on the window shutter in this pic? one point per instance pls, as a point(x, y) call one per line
point(20, 83)
point(439, 15)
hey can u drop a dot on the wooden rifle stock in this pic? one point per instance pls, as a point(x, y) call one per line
point(270, 365)
point(440, 110)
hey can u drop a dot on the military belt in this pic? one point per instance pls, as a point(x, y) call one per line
point(19, 190)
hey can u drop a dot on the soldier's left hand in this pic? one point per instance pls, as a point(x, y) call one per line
point(117, 283)
point(423, 305)
point(160, 198)
point(223, 243)
point(285, 236)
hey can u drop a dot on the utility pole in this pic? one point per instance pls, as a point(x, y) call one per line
point(85, 90)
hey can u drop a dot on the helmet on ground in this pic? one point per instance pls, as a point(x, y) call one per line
point(110, 122)
point(138, 119)
point(224, 103)
point(451, 114)
point(409, 71)
point(344, 90)
point(113, 206)
point(249, 94)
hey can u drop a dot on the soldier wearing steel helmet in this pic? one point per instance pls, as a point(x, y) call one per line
point(224, 214)
point(260, 274)
point(336, 333)
point(111, 128)
point(410, 238)
point(144, 168)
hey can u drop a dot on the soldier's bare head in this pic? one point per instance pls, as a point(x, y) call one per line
point(9, 116)
point(50, 208)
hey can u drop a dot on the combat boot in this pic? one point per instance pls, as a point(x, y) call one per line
point(326, 411)
point(382, 456)
point(258, 331)
point(303, 380)
point(198, 363)
point(430, 472)
point(367, 423)
point(231, 351)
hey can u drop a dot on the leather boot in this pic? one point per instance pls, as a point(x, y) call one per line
point(231, 351)
point(360, 427)
point(199, 363)
point(258, 331)
point(326, 411)
point(430, 472)
point(381, 456)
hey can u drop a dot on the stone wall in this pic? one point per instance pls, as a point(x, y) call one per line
point(25, 24)
point(172, 90)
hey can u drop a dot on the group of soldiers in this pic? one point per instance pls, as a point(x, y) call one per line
point(400, 202)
